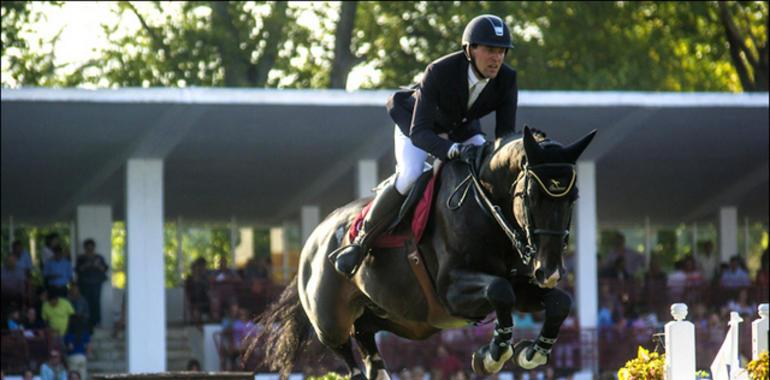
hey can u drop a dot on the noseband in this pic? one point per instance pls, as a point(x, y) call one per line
point(553, 191)
point(523, 238)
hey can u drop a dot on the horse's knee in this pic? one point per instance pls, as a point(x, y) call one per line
point(500, 293)
point(558, 305)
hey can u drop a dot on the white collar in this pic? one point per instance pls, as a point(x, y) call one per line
point(472, 78)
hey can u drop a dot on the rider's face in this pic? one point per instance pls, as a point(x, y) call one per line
point(489, 59)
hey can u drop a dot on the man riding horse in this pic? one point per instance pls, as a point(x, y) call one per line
point(455, 92)
point(492, 242)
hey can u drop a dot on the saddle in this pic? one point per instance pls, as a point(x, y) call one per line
point(406, 232)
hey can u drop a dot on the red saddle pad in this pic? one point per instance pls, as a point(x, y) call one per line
point(419, 221)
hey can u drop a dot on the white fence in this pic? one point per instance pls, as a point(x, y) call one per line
point(680, 345)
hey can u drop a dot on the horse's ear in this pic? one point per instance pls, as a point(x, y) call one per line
point(531, 147)
point(574, 151)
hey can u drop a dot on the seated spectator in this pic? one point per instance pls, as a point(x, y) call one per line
point(53, 369)
point(57, 272)
point(33, 326)
point(742, 305)
point(243, 327)
point(52, 244)
point(57, 312)
point(523, 320)
point(223, 287)
point(617, 271)
point(604, 318)
point(28, 374)
point(79, 304)
point(23, 258)
point(633, 261)
point(445, 364)
point(197, 289)
point(693, 276)
point(677, 281)
point(78, 345)
point(14, 320)
point(762, 281)
point(74, 375)
point(229, 348)
point(193, 365)
point(14, 282)
point(735, 276)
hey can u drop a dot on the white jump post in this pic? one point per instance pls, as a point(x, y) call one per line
point(759, 332)
point(680, 345)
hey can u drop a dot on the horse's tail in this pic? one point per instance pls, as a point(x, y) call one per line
point(286, 330)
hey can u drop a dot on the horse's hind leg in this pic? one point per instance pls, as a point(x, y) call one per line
point(373, 361)
point(345, 352)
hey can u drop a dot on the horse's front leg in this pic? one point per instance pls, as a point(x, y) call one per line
point(558, 303)
point(472, 291)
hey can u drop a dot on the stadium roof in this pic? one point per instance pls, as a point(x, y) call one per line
point(258, 155)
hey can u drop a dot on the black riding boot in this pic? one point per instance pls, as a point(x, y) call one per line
point(384, 207)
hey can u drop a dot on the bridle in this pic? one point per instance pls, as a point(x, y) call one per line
point(522, 238)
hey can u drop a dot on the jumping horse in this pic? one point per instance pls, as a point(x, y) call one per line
point(494, 242)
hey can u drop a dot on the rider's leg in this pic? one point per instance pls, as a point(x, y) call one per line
point(386, 204)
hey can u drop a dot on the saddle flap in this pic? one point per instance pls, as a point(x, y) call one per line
point(438, 315)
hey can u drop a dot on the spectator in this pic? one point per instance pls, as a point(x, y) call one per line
point(78, 346)
point(57, 312)
point(735, 276)
point(708, 261)
point(617, 271)
point(28, 374)
point(33, 326)
point(633, 261)
point(193, 365)
point(14, 320)
point(229, 348)
point(74, 375)
point(57, 272)
point(23, 259)
point(418, 373)
point(445, 364)
point(197, 289)
point(52, 244)
point(604, 318)
point(742, 305)
point(677, 281)
point(79, 304)
point(53, 368)
point(14, 282)
point(523, 321)
point(762, 280)
point(92, 272)
point(693, 276)
point(223, 288)
point(242, 328)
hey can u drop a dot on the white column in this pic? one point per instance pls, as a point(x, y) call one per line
point(310, 216)
point(759, 332)
point(728, 232)
point(680, 345)
point(278, 247)
point(586, 271)
point(95, 222)
point(366, 178)
point(146, 306)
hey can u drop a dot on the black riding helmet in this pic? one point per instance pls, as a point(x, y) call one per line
point(487, 30)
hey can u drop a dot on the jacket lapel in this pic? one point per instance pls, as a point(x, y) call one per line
point(482, 97)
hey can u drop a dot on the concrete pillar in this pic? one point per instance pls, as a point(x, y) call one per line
point(366, 178)
point(310, 216)
point(146, 306)
point(586, 291)
point(728, 232)
point(95, 222)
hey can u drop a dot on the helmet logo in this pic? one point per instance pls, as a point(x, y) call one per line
point(497, 25)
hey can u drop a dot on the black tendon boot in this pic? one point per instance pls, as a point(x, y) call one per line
point(385, 206)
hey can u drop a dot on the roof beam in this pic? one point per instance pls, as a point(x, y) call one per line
point(730, 194)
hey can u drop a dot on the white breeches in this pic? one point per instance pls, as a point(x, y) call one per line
point(410, 160)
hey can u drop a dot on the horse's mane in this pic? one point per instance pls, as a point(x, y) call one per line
point(509, 151)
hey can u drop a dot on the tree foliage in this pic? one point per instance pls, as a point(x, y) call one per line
point(650, 46)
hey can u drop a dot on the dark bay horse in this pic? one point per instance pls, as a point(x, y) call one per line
point(494, 243)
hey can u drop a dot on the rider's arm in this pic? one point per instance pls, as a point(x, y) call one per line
point(505, 115)
point(425, 109)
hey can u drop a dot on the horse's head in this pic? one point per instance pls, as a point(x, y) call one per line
point(544, 191)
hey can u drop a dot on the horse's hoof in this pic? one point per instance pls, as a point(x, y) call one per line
point(483, 364)
point(521, 351)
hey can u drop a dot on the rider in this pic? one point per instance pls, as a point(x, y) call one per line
point(441, 116)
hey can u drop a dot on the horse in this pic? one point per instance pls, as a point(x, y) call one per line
point(495, 251)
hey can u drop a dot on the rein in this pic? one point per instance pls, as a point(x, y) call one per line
point(522, 242)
